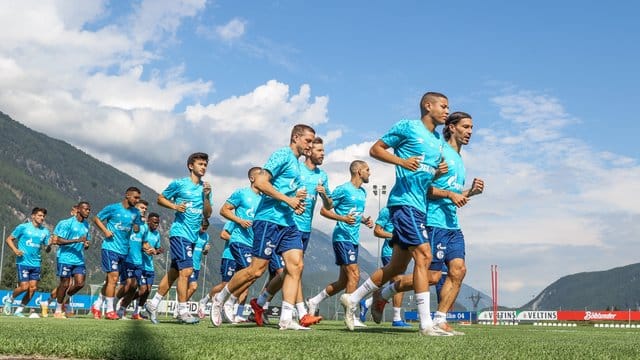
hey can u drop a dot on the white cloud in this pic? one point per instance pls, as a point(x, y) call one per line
point(232, 30)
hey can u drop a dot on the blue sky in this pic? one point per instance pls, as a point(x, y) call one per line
point(551, 87)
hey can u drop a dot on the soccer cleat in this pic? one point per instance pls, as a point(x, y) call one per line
point(446, 327)
point(239, 319)
point(59, 315)
point(97, 314)
point(434, 330)
point(309, 320)
point(19, 314)
point(377, 307)
point(292, 325)
point(153, 313)
point(201, 310)
point(215, 315)
point(111, 315)
point(227, 312)
point(363, 310)
point(187, 318)
point(349, 310)
point(137, 316)
point(258, 311)
point(358, 323)
point(7, 306)
point(400, 323)
point(313, 308)
point(265, 317)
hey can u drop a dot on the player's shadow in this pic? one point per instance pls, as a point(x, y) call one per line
point(138, 342)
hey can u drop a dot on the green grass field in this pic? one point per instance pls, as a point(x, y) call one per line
point(82, 337)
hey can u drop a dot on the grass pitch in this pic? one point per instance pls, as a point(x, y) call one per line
point(85, 338)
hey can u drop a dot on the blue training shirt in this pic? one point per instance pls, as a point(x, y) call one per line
point(347, 199)
point(134, 256)
point(384, 220)
point(310, 179)
point(30, 241)
point(410, 138)
point(72, 229)
point(152, 237)
point(443, 213)
point(245, 201)
point(203, 240)
point(285, 178)
point(226, 252)
point(120, 222)
point(184, 191)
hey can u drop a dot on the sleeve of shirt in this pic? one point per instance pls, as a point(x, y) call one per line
point(275, 163)
point(337, 196)
point(383, 217)
point(172, 190)
point(396, 134)
point(17, 232)
point(105, 213)
point(235, 199)
point(325, 184)
point(47, 238)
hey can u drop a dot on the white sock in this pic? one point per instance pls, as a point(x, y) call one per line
point(363, 291)
point(264, 297)
point(266, 305)
point(388, 291)
point(156, 300)
point(59, 308)
point(183, 308)
point(302, 310)
point(397, 314)
point(19, 309)
point(109, 301)
point(205, 300)
point(318, 298)
point(136, 308)
point(424, 309)
point(440, 317)
point(287, 312)
point(223, 295)
point(99, 301)
point(368, 302)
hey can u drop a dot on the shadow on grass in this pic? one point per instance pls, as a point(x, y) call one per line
point(139, 342)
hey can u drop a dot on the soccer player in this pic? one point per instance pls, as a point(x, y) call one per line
point(417, 159)
point(240, 208)
point(53, 295)
point(116, 222)
point(446, 195)
point(72, 236)
point(316, 182)
point(131, 272)
point(151, 246)
point(190, 197)
point(31, 237)
point(348, 203)
point(227, 268)
point(384, 230)
point(274, 228)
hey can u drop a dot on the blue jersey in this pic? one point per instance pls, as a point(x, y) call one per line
point(198, 247)
point(226, 252)
point(245, 201)
point(310, 179)
point(347, 199)
point(184, 191)
point(442, 213)
point(385, 222)
point(410, 138)
point(72, 229)
point(30, 240)
point(285, 178)
point(154, 240)
point(120, 222)
point(134, 256)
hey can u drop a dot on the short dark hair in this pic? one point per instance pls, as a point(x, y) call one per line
point(300, 129)
point(144, 202)
point(153, 215)
point(317, 140)
point(37, 210)
point(429, 97)
point(197, 156)
point(133, 189)
point(356, 165)
point(252, 170)
point(82, 203)
point(453, 119)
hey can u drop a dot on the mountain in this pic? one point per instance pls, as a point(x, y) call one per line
point(617, 288)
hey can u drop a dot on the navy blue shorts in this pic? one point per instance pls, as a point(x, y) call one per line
point(409, 227)
point(270, 238)
point(67, 270)
point(305, 236)
point(446, 245)
point(276, 263)
point(241, 255)
point(28, 273)
point(346, 252)
point(194, 276)
point(131, 271)
point(181, 252)
point(112, 261)
point(227, 269)
point(147, 277)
